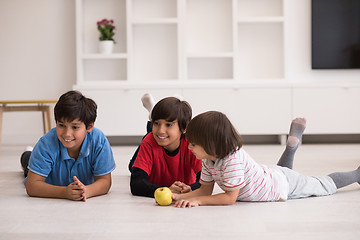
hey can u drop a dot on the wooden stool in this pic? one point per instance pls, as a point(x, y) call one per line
point(31, 105)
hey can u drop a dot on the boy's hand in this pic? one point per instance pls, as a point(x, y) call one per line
point(76, 190)
point(175, 196)
point(82, 186)
point(179, 187)
point(186, 203)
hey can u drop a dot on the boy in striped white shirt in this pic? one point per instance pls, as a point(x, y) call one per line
point(213, 138)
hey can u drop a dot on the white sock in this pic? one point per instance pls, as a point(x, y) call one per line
point(148, 102)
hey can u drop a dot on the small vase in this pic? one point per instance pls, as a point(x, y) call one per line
point(106, 47)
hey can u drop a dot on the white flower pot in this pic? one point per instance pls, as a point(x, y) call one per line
point(106, 47)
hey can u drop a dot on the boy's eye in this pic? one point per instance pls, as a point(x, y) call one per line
point(156, 123)
point(75, 127)
point(61, 125)
point(169, 124)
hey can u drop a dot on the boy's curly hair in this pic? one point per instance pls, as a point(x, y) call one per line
point(73, 105)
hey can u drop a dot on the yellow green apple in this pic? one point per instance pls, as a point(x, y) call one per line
point(163, 196)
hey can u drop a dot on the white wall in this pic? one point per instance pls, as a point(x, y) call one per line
point(37, 59)
point(298, 54)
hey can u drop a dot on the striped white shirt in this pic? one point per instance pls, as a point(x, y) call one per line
point(239, 171)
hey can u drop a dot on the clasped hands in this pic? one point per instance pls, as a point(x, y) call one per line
point(179, 187)
point(76, 190)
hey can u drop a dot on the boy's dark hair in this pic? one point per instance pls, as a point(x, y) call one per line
point(171, 109)
point(73, 105)
point(215, 133)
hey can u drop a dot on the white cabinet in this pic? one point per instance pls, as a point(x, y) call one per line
point(226, 55)
point(181, 40)
point(333, 110)
point(252, 110)
point(179, 46)
point(120, 111)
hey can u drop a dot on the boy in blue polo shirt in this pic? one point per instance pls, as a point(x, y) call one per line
point(74, 160)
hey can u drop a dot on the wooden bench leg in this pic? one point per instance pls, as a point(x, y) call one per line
point(1, 116)
point(46, 118)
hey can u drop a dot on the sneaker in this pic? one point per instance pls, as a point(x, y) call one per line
point(24, 160)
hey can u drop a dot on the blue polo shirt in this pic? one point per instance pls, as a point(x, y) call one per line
point(50, 159)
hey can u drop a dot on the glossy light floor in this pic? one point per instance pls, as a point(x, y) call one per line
point(119, 215)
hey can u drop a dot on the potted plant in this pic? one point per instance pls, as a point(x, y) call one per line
point(107, 31)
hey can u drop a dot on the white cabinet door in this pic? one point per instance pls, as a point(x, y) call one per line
point(329, 110)
point(120, 111)
point(251, 110)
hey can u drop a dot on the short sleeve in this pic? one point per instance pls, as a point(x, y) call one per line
point(104, 161)
point(206, 176)
point(144, 159)
point(41, 160)
point(233, 173)
point(107, 164)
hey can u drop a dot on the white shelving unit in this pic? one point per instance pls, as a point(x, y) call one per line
point(182, 40)
point(197, 48)
point(226, 55)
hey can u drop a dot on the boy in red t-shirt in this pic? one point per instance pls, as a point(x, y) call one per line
point(163, 157)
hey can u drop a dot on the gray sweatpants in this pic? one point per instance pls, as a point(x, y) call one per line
point(301, 186)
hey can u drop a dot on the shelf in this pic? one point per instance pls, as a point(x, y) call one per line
point(149, 9)
point(260, 8)
point(89, 12)
point(156, 55)
point(105, 69)
point(260, 19)
point(183, 40)
point(211, 55)
point(156, 21)
point(105, 56)
point(210, 68)
point(209, 26)
point(189, 84)
point(260, 51)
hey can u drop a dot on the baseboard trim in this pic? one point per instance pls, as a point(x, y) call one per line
point(259, 139)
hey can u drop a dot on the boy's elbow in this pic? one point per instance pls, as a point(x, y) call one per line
point(107, 188)
point(232, 202)
point(231, 198)
point(135, 190)
point(29, 191)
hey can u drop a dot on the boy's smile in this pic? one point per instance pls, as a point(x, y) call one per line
point(167, 134)
point(72, 135)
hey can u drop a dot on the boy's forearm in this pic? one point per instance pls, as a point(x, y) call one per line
point(218, 199)
point(43, 189)
point(99, 187)
point(204, 190)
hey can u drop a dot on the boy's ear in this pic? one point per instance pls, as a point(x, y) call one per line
point(90, 127)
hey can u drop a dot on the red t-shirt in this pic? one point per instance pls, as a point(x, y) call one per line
point(164, 170)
